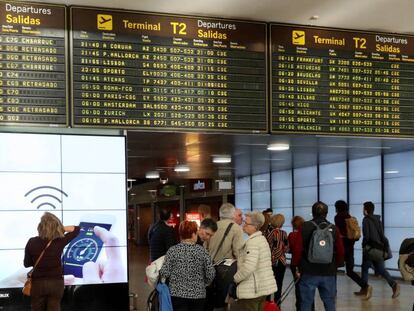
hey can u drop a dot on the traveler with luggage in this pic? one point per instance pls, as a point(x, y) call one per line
point(318, 252)
point(376, 249)
point(350, 233)
point(188, 269)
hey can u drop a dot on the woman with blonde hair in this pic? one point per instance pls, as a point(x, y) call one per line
point(47, 276)
point(278, 242)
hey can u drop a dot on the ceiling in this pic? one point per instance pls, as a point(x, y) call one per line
point(377, 15)
point(162, 151)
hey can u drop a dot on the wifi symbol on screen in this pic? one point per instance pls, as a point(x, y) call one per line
point(46, 196)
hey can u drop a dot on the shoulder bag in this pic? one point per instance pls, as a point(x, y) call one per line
point(27, 288)
point(224, 275)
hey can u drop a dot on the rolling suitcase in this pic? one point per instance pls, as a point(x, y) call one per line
point(272, 306)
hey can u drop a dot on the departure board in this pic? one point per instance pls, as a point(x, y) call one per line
point(333, 81)
point(136, 70)
point(33, 82)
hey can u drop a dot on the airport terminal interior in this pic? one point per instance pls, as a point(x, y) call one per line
point(111, 110)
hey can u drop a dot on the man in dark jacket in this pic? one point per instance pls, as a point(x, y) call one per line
point(321, 276)
point(342, 213)
point(161, 236)
point(374, 237)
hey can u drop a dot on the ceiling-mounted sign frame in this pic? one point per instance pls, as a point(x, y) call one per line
point(341, 82)
point(142, 71)
point(33, 64)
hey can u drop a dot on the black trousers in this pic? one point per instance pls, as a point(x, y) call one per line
point(350, 263)
point(46, 295)
point(184, 304)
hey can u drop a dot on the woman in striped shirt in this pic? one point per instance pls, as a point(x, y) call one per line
point(278, 243)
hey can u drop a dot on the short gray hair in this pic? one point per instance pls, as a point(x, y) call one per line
point(257, 219)
point(227, 211)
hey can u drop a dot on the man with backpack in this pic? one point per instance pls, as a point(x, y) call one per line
point(317, 253)
point(350, 233)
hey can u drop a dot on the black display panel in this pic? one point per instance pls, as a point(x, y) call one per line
point(137, 71)
point(33, 80)
point(332, 81)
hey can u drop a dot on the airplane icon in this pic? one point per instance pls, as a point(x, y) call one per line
point(104, 22)
point(298, 37)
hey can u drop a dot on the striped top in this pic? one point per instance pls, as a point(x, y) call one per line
point(279, 245)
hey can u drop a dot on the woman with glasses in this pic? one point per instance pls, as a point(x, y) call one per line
point(254, 278)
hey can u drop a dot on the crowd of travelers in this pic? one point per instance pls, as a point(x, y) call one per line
point(239, 262)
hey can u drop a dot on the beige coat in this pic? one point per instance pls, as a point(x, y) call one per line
point(254, 269)
point(232, 245)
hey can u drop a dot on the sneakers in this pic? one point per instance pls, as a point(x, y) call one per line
point(395, 290)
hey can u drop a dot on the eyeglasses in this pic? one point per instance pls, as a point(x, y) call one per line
point(247, 224)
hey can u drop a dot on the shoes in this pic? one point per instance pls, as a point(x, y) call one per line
point(395, 290)
point(362, 292)
point(369, 292)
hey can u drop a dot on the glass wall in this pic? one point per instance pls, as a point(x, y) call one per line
point(243, 194)
point(364, 185)
point(282, 196)
point(398, 200)
point(332, 185)
point(305, 190)
point(261, 192)
point(365, 181)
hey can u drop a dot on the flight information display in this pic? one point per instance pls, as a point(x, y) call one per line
point(135, 70)
point(33, 81)
point(333, 81)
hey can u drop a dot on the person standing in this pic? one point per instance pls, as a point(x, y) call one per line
point(254, 277)
point(208, 228)
point(161, 236)
point(188, 269)
point(278, 242)
point(342, 213)
point(373, 237)
point(318, 252)
point(226, 243)
point(238, 217)
point(47, 277)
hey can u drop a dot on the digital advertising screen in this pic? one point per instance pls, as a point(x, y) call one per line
point(81, 180)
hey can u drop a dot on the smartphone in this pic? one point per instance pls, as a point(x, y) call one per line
point(86, 246)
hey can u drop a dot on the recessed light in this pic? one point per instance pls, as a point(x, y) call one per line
point(152, 175)
point(278, 147)
point(221, 159)
point(182, 168)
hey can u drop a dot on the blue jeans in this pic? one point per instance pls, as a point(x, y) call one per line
point(326, 286)
point(379, 268)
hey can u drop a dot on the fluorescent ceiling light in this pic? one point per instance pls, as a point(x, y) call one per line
point(278, 147)
point(221, 159)
point(182, 168)
point(391, 172)
point(131, 179)
point(152, 175)
point(340, 178)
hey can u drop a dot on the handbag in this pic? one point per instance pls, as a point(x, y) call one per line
point(225, 272)
point(27, 287)
point(375, 254)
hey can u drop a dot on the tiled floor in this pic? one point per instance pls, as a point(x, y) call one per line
point(381, 298)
